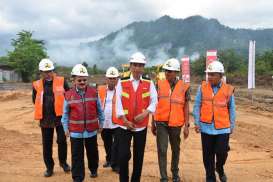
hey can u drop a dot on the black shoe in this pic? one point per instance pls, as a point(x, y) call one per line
point(106, 164)
point(48, 173)
point(94, 174)
point(222, 176)
point(116, 170)
point(176, 179)
point(65, 167)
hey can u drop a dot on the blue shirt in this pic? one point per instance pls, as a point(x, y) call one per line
point(84, 134)
point(210, 128)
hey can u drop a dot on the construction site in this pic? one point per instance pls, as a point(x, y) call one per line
point(250, 157)
point(130, 83)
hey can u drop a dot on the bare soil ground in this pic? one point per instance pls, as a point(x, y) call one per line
point(250, 158)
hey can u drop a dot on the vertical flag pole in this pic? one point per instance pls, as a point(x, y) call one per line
point(251, 68)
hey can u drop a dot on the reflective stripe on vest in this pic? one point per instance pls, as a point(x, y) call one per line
point(58, 90)
point(170, 107)
point(135, 102)
point(82, 121)
point(215, 107)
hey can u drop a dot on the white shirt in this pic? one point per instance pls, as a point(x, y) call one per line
point(108, 123)
point(135, 83)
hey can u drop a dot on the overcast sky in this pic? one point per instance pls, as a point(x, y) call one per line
point(68, 22)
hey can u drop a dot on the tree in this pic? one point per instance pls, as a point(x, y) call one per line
point(26, 54)
point(95, 70)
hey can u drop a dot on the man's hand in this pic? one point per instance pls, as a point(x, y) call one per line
point(67, 134)
point(129, 125)
point(197, 128)
point(141, 116)
point(153, 128)
point(186, 131)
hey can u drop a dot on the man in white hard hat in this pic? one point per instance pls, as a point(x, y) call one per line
point(214, 115)
point(172, 112)
point(110, 130)
point(48, 97)
point(81, 120)
point(136, 98)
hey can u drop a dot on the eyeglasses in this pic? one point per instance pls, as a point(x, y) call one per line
point(82, 80)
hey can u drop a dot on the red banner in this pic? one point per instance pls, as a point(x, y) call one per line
point(211, 56)
point(185, 64)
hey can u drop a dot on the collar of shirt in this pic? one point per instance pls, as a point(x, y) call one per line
point(217, 86)
point(132, 78)
point(79, 91)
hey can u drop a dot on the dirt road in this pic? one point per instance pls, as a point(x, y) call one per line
point(250, 158)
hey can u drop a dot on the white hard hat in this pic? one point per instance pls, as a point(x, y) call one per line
point(215, 67)
point(79, 70)
point(112, 72)
point(137, 57)
point(46, 65)
point(172, 65)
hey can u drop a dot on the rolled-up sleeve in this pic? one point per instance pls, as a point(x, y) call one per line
point(232, 111)
point(119, 108)
point(65, 116)
point(100, 113)
point(153, 98)
point(196, 107)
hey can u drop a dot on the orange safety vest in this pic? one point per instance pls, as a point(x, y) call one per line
point(58, 90)
point(102, 91)
point(135, 103)
point(215, 107)
point(170, 107)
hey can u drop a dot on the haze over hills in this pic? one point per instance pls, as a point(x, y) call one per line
point(168, 37)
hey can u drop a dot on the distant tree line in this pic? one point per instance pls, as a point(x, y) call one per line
point(236, 64)
point(26, 54)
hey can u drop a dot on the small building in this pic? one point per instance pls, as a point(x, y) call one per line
point(7, 74)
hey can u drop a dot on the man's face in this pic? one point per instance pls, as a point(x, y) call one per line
point(81, 82)
point(214, 78)
point(137, 69)
point(170, 75)
point(111, 82)
point(47, 75)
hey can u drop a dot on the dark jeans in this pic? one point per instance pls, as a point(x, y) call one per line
point(139, 141)
point(47, 140)
point(110, 139)
point(165, 134)
point(77, 152)
point(214, 146)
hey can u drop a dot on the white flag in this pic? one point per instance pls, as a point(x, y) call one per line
point(251, 65)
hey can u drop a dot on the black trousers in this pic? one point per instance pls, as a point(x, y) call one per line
point(47, 140)
point(139, 141)
point(107, 137)
point(110, 139)
point(77, 152)
point(214, 146)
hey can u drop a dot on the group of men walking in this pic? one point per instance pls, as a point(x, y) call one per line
point(121, 111)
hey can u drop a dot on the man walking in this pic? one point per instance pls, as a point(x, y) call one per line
point(110, 132)
point(48, 98)
point(214, 115)
point(136, 99)
point(172, 112)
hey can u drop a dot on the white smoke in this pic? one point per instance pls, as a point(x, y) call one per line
point(69, 53)
point(110, 52)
